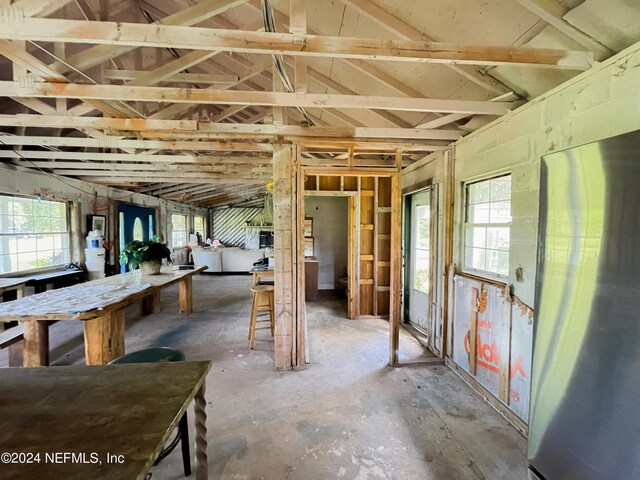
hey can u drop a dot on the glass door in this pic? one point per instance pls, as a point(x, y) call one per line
point(420, 261)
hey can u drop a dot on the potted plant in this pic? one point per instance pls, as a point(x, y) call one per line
point(146, 255)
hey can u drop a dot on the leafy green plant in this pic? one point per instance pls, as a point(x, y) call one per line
point(135, 253)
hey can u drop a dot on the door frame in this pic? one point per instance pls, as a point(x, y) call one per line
point(436, 283)
point(353, 231)
point(395, 263)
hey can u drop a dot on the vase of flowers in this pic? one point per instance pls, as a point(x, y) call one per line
point(147, 255)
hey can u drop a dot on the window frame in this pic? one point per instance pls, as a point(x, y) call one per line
point(489, 275)
point(68, 231)
point(186, 229)
point(204, 225)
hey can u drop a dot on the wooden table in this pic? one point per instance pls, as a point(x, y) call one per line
point(100, 305)
point(126, 411)
point(59, 278)
point(259, 273)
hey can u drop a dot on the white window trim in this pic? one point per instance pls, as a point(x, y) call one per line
point(48, 268)
point(465, 225)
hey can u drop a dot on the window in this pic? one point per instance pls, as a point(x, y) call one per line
point(34, 234)
point(198, 226)
point(421, 248)
point(178, 230)
point(488, 225)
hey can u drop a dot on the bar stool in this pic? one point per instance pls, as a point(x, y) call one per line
point(164, 354)
point(262, 302)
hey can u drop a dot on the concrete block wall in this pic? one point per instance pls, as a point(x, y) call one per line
point(597, 104)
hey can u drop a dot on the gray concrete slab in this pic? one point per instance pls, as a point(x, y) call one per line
point(347, 416)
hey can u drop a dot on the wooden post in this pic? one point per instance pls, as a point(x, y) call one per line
point(395, 293)
point(104, 338)
point(186, 295)
point(298, 235)
point(36, 344)
point(352, 310)
point(449, 267)
point(285, 172)
point(150, 304)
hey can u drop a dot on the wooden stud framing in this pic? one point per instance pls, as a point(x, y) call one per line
point(395, 273)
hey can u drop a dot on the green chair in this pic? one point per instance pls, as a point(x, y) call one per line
point(164, 354)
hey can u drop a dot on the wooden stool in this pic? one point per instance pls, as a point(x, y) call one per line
point(262, 302)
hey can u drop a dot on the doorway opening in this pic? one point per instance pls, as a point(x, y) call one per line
point(326, 249)
point(134, 223)
point(422, 298)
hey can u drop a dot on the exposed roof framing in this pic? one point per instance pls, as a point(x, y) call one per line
point(131, 35)
point(180, 99)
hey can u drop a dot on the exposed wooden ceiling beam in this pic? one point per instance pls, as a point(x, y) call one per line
point(406, 32)
point(187, 16)
point(208, 130)
point(174, 180)
point(173, 110)
point(17, 54)
point(117, 142)
point(130, 75)
point(119, 169)
point(239, 97)
point(184, 160)
point(68, 121)
point(36, 8)
point(552, 12)
point(133, 35)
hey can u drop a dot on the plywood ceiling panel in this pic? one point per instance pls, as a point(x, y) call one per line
point(614, 23)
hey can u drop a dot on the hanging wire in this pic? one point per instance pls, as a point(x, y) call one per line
point(270, 26)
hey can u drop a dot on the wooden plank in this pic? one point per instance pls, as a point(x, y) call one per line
point(395, 292)
point(65, 121)
point(298, 229)
point(136, 75)
point(251, 98)
point(130, 35)
point(112, 141)
point(552, 11)
point(352, 257)
point(192, 15)
point(405, 31)
point(284, 177)
point(375, 244)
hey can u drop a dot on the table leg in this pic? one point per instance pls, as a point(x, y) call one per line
point(16, 357)
point(201, 434)
point(150, 304)
point(104, 338)
point(186, 296)
point(36, 343)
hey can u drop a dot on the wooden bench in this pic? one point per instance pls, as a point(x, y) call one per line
point(11, 338)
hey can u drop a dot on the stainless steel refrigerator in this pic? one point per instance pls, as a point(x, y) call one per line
point(585, 402)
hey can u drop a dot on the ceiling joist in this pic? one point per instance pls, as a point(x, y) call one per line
point(132, 35)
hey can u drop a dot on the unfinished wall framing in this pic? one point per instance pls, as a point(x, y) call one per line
point(374, 237)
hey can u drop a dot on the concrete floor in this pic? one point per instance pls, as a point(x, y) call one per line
point(348, 415)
